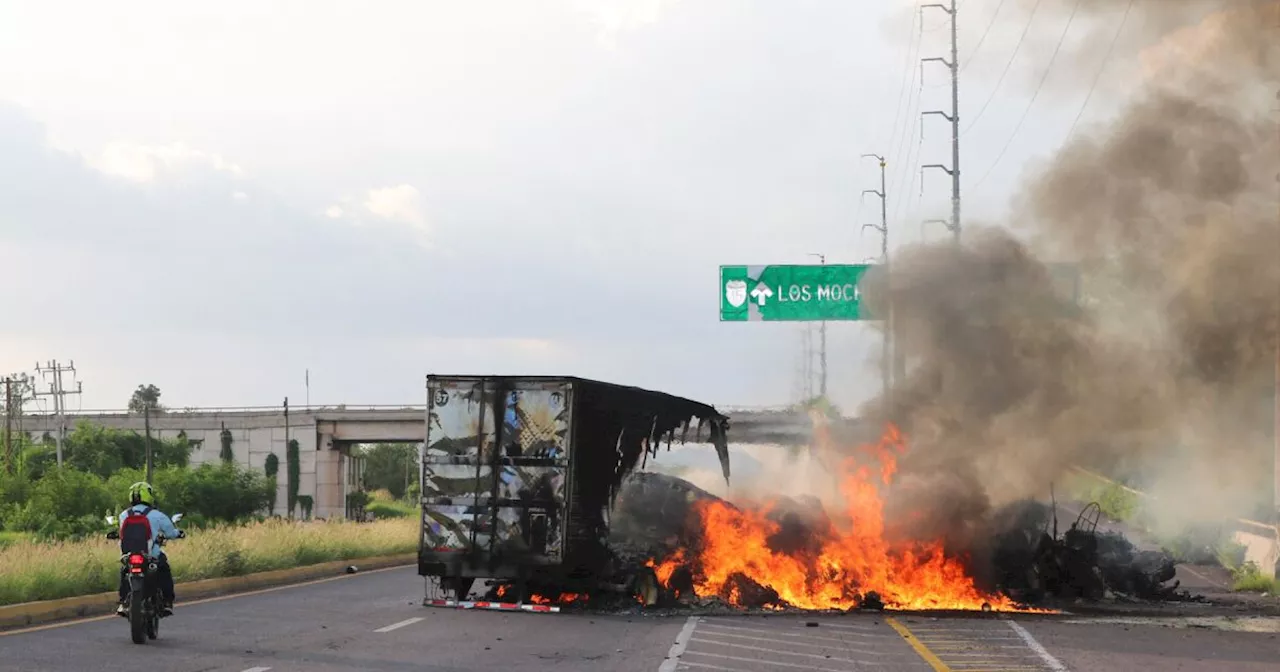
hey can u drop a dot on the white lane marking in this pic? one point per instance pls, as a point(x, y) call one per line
point(677, 649)
point(1053, 663)
point(843, 646)
point(757, 661)
point(401, 624)
point(1202, 577)
point(859, 628)
point(705, 666)
point(735, 645)
point(841, 631)
point(795, 637)
point(257, 669)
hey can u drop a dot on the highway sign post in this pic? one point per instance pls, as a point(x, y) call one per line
point(792, 293)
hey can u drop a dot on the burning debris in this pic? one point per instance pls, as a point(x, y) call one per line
point(796, 554)
point(1034, 563)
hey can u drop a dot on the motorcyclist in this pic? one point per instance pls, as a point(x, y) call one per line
point(142, 499)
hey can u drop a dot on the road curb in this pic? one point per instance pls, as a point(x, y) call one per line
point(37, 613)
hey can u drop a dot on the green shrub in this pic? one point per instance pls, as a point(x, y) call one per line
point(383, 509)
point(1248, 577)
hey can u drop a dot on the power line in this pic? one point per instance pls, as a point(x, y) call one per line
point(897, 143)
point(1026, 29)
point(55, 370)
point(1098, 75)
point(1061, 39)
point(990, 25)
point(909, 54)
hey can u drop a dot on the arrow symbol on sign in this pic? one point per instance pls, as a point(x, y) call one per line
point(761, 293)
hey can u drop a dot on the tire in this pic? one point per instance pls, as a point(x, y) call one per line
point(137, 617)
point(462, 588)
point(645, 587)
point(153, 620)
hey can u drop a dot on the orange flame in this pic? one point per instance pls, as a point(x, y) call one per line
point(565, 598)
point(840, 565)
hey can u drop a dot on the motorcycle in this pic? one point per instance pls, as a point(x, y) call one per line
point(146, 606)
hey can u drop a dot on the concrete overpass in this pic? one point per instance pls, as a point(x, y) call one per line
point(328, 470)
point(325, 435)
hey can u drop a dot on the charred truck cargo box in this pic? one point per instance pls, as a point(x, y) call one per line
point(520, 473)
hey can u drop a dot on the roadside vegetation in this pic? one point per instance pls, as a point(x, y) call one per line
point(39, 500)
point(1208, 545)
point(46, 570)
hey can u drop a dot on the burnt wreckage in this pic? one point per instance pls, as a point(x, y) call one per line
point(520, 474)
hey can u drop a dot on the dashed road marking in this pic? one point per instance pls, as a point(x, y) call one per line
point(257, 669)
point(1053, 663)
point(677, 649)
point(401, 624)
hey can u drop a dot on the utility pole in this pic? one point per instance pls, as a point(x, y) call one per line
point(954, 118)
point(146, 428)
point(883, 228)
point(8, 425)
point(286, 436)
point(54, 370)
point(822, 357)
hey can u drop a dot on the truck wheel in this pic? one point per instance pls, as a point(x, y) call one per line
point(459, 586)
point(645, 587)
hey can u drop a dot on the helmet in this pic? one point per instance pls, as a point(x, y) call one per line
point(142, 493)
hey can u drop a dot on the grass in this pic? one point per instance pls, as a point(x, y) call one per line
point(383, 505)
point(1249, 578)
point(47, 571)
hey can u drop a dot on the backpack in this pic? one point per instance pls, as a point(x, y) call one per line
point(135, 532)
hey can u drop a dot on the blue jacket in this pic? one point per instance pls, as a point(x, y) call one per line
point(160, 523)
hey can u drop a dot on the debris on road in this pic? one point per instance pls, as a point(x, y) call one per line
point(1033, 563)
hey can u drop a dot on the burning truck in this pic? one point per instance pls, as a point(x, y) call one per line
point(539, 485)
point(520, 473)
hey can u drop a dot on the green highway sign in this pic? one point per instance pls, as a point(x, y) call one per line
point(791, 293)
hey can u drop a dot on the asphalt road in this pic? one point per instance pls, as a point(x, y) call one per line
point(375, 622)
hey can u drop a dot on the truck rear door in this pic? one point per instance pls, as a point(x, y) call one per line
point(532, 468)
point(495, 468)
point(456, 482)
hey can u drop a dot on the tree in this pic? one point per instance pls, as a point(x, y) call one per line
point(143, 396)
point(391, 467)
point(272, 467)
point(295, 473)
point(226, 454)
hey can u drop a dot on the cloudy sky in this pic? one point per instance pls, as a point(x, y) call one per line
point(217, 197)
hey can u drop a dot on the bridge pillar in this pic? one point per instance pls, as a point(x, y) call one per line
point(330, 497)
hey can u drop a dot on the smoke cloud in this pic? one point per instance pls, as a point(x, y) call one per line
point(1165, 371)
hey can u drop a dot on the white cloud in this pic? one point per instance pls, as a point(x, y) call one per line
point(613, 17)
point(401, 203)
point(334, 212)
point(143, 163)
point(239, 196)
